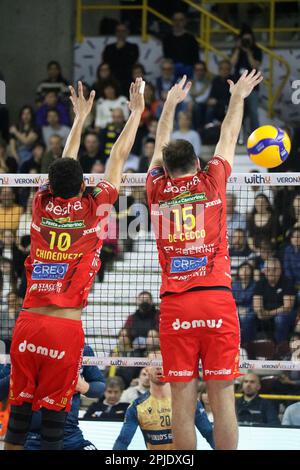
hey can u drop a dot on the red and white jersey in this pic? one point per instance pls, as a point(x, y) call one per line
point(189, 220)
point(66, 240)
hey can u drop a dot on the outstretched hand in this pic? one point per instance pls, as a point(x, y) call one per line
point(246, 83)
point(81, 106)
point(136, 99)
point(179, 91)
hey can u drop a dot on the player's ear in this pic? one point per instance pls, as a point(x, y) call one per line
point(82, 187)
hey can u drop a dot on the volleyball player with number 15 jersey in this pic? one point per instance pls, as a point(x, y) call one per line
point(67, 231)
point(198, 317)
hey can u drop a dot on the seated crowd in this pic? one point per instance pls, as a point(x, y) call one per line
point(263, 222)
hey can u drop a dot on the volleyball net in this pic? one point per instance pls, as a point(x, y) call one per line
point(121, 319)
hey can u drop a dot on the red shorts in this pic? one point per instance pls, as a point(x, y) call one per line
point(199, 325)
point(46, 356)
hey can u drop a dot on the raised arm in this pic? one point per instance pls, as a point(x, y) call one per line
point(122, 147)
point(165, 125)
point(82, 109)
point(232, 123)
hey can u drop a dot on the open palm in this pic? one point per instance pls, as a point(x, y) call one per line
point(179, 91)
point(81, 106)
point(246, 83)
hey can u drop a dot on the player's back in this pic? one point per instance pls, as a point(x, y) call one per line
point(189, 219)
point(66, 239)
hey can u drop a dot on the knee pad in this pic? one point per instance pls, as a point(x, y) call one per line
point(18, 424)
point(52, 431)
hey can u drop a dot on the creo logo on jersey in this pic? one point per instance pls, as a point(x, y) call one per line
point(186, 325)
point(183, 188)
point(182, 265)
point(49, 271)
point(59, 210)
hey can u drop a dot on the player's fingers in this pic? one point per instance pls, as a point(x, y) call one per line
point(72, 91)
point(182, 82)
point(187, 87)
point(92, 96)
point(252, 73)
point(72, 99)
point(80, 90)
point(131, 88)
point(244, 75)
point(138, 83)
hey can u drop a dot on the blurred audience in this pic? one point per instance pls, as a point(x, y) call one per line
point(55, 151)
point(144, 319)
point(274, 302)
point(251, 408)
point(262, 222)
point(24, 135)
point(8, 164)
point(243, 289)
point(121, 56)
point(110, 101)
point(53, 82)
point(91, 153)
point(135, 391)
point(50, 103)
point(103, 76)
point(110, 407)
point(186, 132)
point(181, 46)
point(10, 210)
point(54, 127)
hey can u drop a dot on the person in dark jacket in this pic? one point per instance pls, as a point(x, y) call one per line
point(90, 383)
point(251, 408)
point(109, 408)
point(181, 46)
point(144, 319)
point(121, 56)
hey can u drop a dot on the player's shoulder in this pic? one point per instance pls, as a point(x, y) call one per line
point(156, 173)
point(141, 399)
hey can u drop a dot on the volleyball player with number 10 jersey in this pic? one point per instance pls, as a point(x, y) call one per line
point(67, 231)
point(198, 313)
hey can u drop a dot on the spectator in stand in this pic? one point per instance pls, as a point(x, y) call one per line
point(294, 220)
point(247, 56)
point(54, 82)
point(10, 211)
point(219, 94)
point(251, 408)
point(109, 408)
point(109, 135)
point(54, 152)
point(239, 246)
point(9, 280)
point(34, 163)
point(152, 341)
point(144, 319)
point(147, 154)
point(166, 79)
point(151, 104)
point(291, 416)
point(262, 252)
point(110, 101)
point(8, 164)
point(133, 392)
point(9, 311)
point(24, 135)
point(121, 56)
point(51, 103)
point(291, 260)
point(181, 46)
point(98, 167)
point(25, 219)
point(91, 152)
point(203, 398)
point(234, 218)
point(243, 289)
point(185, 132)
point(7, 240)
point(262, 223)
point(54, 127)
point(103, 76)
point(199, 94)
point(274, 302)
point(290, 380)
point(138, 70)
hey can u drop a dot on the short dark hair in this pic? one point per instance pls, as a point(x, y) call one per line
point(115, 382)
point(65, 177)
point(179, 157)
